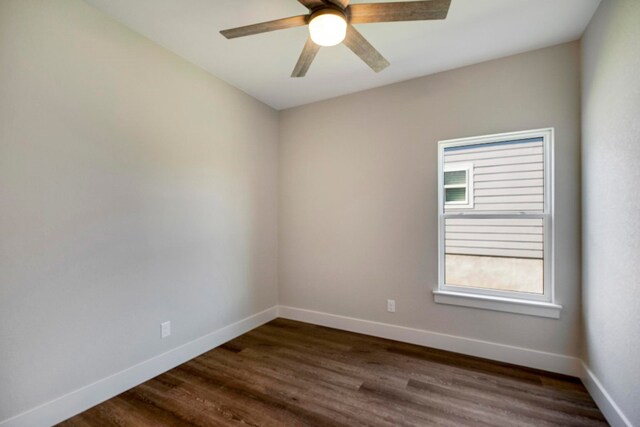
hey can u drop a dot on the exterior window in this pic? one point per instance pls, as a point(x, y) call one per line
point(458, 185)
point(496, 223)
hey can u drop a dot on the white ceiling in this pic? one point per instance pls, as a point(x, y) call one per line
point(260, 65)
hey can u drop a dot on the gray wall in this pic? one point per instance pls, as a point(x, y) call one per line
point(611, 205)
point(358, 194)
point(134, 188)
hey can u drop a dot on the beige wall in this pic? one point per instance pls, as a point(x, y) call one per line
point(611, 206)
point(358, 194)
point(134, 188)
point(137, 188)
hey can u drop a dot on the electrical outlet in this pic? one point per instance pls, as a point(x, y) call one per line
point(165, 329)
point(391, 305)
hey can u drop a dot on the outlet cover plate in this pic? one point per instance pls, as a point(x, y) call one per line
point(165, 329)
point(391, 305)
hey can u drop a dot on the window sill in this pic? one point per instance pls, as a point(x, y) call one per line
point(530, 308)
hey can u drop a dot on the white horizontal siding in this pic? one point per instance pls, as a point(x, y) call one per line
point(513, 237)
point(518, 191)
point(509, 176)
point(523, 167)
point(492, 229)
point(500, 237)
point(514, 222)
point(511, 207)
point(520, 183)
point(510, 198)
point(493, 244)
point(510, 253)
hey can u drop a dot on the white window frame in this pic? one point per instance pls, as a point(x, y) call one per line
point(515, 302)
point(468, 186)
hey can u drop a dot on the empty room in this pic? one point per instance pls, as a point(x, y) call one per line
point(319, 213)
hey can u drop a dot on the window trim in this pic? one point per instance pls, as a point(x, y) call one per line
point(523, 303)
point(468, 185)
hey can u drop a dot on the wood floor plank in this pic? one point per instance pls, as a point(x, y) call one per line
point(276, 391)
point(231, 402)
point(288, 373)
point(327, 399)
point(519, 412)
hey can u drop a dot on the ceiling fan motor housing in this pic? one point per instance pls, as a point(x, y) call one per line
point(333, 10)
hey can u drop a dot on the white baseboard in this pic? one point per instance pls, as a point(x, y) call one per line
point(84, 398)
point(607, 405)
point(503, 353)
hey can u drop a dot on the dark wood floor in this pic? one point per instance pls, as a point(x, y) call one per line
point(288, 373)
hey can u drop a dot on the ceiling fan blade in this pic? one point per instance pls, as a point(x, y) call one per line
point(361, 47)
point(307, 56)
point(263, 27)
point(312, 4)
point(400, 11)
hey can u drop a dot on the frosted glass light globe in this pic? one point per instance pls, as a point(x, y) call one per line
point(328, 27)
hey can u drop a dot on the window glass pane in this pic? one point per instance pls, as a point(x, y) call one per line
point(508, 176)
point(455, 194)
point(497, 254)
point(455, 177)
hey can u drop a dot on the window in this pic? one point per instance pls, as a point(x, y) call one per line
point(458, 184)
point(496, 223)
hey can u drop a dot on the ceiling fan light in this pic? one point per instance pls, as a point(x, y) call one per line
point(328, 27)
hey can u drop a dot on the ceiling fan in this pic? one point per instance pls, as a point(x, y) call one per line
point(331, 22)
